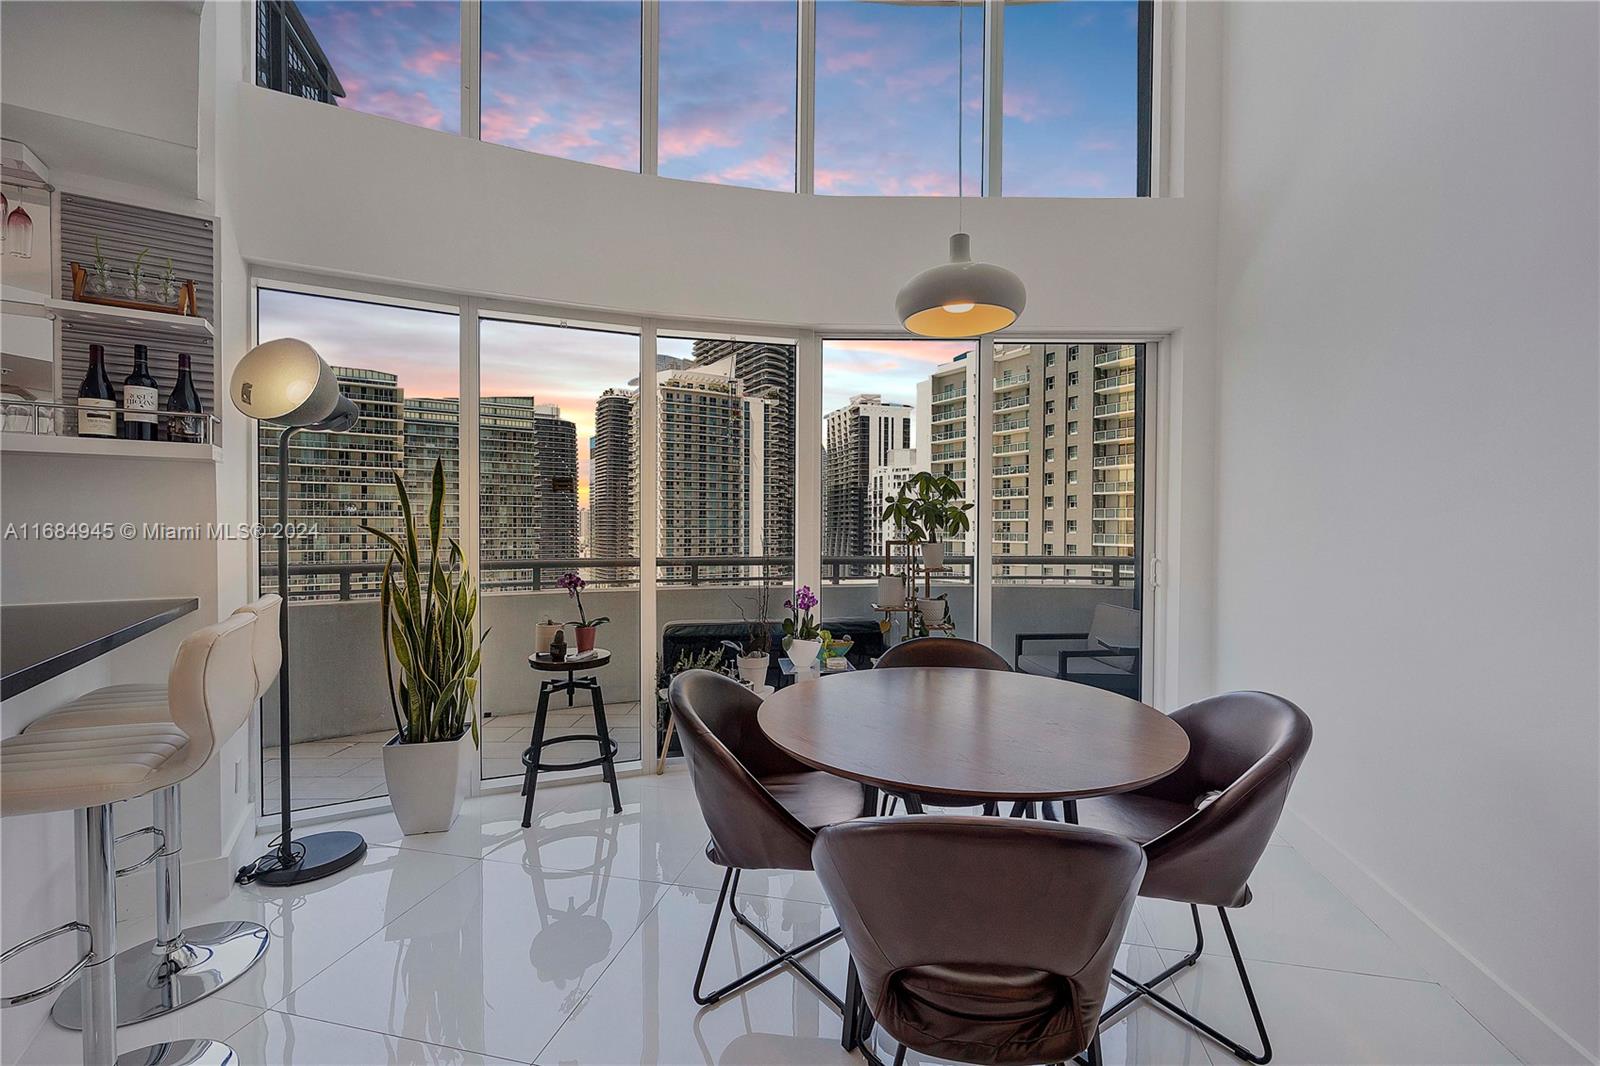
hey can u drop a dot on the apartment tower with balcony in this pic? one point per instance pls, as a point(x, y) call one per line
point(861, 438)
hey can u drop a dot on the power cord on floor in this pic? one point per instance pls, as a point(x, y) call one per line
point(271, 862)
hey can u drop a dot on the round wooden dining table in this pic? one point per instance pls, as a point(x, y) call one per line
point(977, 734)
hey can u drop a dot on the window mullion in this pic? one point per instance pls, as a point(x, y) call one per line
point(805, 115)
point(471, 63)
point(994, 50)
point(650, 87)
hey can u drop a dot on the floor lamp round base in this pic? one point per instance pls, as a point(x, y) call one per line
point(325, 854)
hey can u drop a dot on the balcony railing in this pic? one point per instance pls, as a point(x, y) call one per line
point(954, 453)
point(1010, 381)
point(1120, 435)
point(1008, 425)
point(1011, 538)
point(1113, 488)
point(1115, 357)
point(1113, 514)
point(1102, 462)
point(954, 393)
point(1008, 402)
point(1004, 493)
point(1014, 446)
point(949, 434)
point(1011, 470)
point(1113, 540)
point(1115, 382)
point(1114, 410)
point(955, 414)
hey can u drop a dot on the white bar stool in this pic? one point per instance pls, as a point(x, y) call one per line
point(180, 966)
point(90, 768)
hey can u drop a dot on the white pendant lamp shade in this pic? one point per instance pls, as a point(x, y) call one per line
point(287, 382)
point(961, 298)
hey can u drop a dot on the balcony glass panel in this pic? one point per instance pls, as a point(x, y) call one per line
point(561, 77)
point(557, 452)
point(886, 98)
point(400, 365)
point(728, 92)
point(1071, 122)
point(878, 431)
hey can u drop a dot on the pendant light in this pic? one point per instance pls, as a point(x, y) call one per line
point(960, 298)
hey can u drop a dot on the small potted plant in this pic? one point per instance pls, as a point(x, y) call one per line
point(426, 609)
point(543, 633)
point(100, 277)
point(167, 289)
point(752, 652)
point(583, 627)
point(138, 287)
point(802, 638)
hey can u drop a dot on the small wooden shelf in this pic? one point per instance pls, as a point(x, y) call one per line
point(12, 441)
point(101, 314)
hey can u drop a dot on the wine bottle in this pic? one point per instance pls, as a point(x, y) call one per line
point(186, 398)
point(140, 398)
point(97, 400)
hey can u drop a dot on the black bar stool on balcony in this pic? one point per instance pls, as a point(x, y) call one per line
point(532, 759)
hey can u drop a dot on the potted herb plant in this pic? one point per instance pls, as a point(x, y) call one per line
point(753, 651)
point(928, 508)
point(426, 609)
point(583, 627)
point(802, 637)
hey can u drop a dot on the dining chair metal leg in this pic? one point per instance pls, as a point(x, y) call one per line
point(900, 1056)
point(991, 809)
point(1141, 988)
point(782, 956)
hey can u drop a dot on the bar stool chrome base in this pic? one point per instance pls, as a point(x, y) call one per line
point(181, 1053)
point(151, 982)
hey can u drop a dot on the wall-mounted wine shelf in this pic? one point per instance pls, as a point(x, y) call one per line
point(107, 447)
point(91, 315)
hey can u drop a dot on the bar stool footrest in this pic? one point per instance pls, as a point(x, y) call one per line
point(609, 745)
point(33, 942)
point(159, 851)
point(181, 1053)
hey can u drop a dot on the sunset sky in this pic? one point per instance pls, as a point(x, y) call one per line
point(562, 77)
point(567, 367)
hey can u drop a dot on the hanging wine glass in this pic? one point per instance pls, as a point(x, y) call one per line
point(5, 209)
point(19, 233)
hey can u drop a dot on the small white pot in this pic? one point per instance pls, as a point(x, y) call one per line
point(891, 591)
point(803, 653)
point(543, 634)
point(932, 610)
point(753, 670)
point(427, 782)
point(933, 553)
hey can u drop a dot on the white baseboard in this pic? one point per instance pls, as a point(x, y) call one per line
point(1518, 1024)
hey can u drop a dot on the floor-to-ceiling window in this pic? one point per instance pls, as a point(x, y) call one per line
point(557, 495)
point(400, 364)
point(1065, 524)
point(893, 409)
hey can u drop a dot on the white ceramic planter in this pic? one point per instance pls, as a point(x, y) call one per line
point(803, 653)
point(427, 782)
point(932, 610)
point(933, 553)
point(891, 591)
point(753, 670)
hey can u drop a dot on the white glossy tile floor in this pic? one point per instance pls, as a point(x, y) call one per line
point(576, 942)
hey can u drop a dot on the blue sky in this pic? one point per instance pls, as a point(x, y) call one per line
point(562, 77)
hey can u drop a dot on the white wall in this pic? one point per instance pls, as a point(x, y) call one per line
point(1407, 469)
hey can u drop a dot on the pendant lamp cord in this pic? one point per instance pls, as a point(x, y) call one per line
point(961, 111)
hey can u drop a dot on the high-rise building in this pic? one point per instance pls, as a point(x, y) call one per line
point(711, 438)
point(1063, 457)
point(338, 481)
point(887, 480)
point(864, 436)
point(765, 372)
point(613, 481)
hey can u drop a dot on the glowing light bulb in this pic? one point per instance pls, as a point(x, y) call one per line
point(959, 308)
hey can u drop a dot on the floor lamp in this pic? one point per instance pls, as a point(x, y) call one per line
point(286, 382)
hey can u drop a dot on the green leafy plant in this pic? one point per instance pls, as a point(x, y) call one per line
point(427, 615)
point(758, 633)
point(102, 268)
point(168, 290)
point(136, 274)
point(927, 506)
point(801, 623)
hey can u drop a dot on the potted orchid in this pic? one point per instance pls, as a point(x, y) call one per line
point(802, 637)
point(584, 627)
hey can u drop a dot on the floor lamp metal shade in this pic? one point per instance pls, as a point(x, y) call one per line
point(961, 298)
point(286, 382)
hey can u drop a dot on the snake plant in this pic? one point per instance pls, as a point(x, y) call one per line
point(427, 619)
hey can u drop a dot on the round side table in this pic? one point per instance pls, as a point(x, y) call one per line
point(532, 757)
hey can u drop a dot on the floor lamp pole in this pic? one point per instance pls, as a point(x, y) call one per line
point(319, 855)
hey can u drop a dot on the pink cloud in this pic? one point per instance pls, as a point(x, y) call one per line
point(414, 108)
point(431, 62)
point(678, 142)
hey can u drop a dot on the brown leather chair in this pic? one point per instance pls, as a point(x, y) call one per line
point(940, 651)
point(1205, 825)
point(1003, 952)
point(763, 808)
